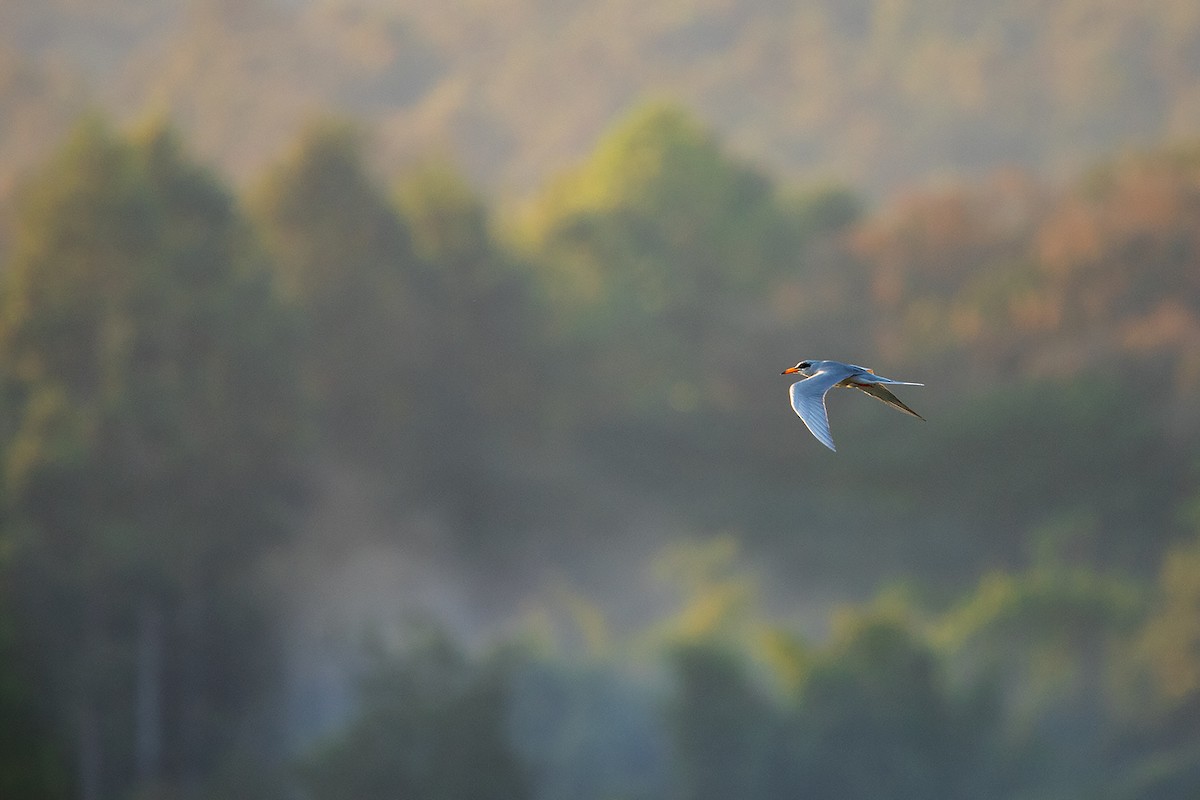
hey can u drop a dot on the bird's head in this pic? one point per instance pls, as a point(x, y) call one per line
point(805, 368)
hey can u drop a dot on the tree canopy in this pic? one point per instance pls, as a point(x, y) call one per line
point(232, 440)
point(150, 446)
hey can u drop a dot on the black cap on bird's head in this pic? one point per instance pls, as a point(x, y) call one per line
point(801, 367)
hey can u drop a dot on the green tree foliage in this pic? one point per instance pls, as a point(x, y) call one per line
point(871, 714)
point(1172, 636)
point(484, 329)
point(591, 729)
point(482, 373)
point(432, 727)
point(32, 762)
point(1164, 661)
point(756, 711)
point(723, 725)
point(660, 230)
point(486, 367)
point(660, 255)
point(877, 718)
point(149, 455)
point(1052, 645)
point(1020, 690)
point(607, 376)
point(419, 330)
point(347, 266)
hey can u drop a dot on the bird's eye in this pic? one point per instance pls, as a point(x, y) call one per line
point(804, 365)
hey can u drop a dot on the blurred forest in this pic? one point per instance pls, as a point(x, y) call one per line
point(342, 488)
point(330, 467)
point(873, 93)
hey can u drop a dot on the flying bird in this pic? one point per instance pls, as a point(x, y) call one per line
point(808, 395)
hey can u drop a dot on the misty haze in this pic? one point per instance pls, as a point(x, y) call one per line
point(390, 400)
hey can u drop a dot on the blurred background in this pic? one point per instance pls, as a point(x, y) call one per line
point(390, 401)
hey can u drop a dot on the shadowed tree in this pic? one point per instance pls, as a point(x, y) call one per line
point(877, 718)
point(1165, 711)
point(432, 727)
point(346, 265)
point(724, 726)
point(485, 369)
point(149, 455)
point(418, 327)
point(1047, 644)
point(31, 758)
point(658, 250)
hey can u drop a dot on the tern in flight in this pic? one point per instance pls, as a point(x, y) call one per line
point(808, 395)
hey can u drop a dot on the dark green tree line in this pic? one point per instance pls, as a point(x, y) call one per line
point(434, 726)
point(606, 374)
point(424, 353)
point(149, 455)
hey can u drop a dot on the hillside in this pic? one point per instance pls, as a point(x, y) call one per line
point(872, 93)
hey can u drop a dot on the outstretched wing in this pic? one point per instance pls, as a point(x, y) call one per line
point(808, 400)
point(877, 391)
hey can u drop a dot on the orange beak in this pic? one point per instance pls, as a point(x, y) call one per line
point(789, 371)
